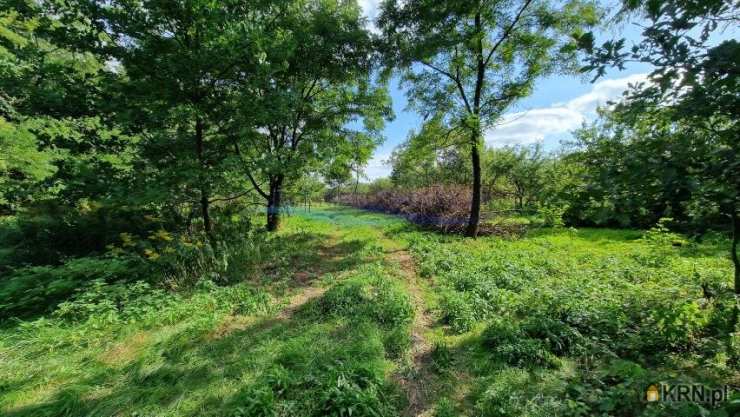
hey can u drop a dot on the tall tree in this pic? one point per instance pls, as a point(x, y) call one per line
point(310, 97)
point(177, 56)
point(56, 142)
point(467, 62)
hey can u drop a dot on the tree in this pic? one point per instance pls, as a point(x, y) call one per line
point(527, 175)
point(56, 141)
point(311, 91)
point(694, 83)
point(176, 57)
point(467, 62)
point(430, 156)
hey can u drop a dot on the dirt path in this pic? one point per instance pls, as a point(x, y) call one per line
point(417, 379)
point(299, 300)
point(328, 252)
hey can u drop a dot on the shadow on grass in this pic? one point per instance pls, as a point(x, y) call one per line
point(297, 259)
point(269, 364)
point(216, 368)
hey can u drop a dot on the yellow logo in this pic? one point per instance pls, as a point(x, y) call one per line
point(652, 394)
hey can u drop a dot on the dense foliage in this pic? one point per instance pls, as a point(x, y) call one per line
point(150, 151)
point(585, 318)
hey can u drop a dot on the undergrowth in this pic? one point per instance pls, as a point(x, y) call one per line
point(580, 322)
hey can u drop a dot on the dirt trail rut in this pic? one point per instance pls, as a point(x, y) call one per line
point(299, 300)
point(417, 380)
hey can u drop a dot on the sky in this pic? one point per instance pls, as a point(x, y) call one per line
point(559, 105)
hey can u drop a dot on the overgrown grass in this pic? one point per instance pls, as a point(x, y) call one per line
point(222, 348)
point(561, 322)
point(580, 322)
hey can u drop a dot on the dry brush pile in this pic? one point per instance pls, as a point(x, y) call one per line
point(445, 208)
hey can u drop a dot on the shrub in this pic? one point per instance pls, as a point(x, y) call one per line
point(441, 207)
point(511, 344)
point(457, 311)
point(558, 337)
point(51, 232)
point(39, 289)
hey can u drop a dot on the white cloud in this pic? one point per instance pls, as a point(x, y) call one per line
point(534, 125)
point(602, 92)
point(378, 166)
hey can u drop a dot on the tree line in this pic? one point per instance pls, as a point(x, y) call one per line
point(128, 109)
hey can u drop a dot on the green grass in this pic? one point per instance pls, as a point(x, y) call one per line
point(561, 322)
point(578, 322)
point(224, 350)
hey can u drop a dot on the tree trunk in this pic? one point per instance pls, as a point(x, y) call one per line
point(472, 229)
point(357, 183)
point(204, 194)
point(273, 203)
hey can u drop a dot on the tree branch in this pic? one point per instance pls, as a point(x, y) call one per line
point(507, 32)
point(453, 78)
point(249, 175)
point(230, 198)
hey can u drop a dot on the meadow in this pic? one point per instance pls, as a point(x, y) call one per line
point(352, 313)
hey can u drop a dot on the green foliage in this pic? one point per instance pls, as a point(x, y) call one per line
point(369, 297)
point(466, 64)
point(513, 346)
point(350, 398)
point(39, 289)
point(543, 317)
point(512, 393)
point(442, 357)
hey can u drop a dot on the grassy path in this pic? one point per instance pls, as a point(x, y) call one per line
point(414, 374)
point(417, 380)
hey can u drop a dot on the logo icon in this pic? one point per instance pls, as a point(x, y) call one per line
point(652, 394)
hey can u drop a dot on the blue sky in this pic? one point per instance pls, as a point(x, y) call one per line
point(559, 105)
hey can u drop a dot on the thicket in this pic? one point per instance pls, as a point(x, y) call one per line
point(442, 208)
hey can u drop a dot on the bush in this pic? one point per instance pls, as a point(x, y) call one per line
point(510, 344)
point(39, 289)
point(458, 311)
point(557, 336)
point(51, 232)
